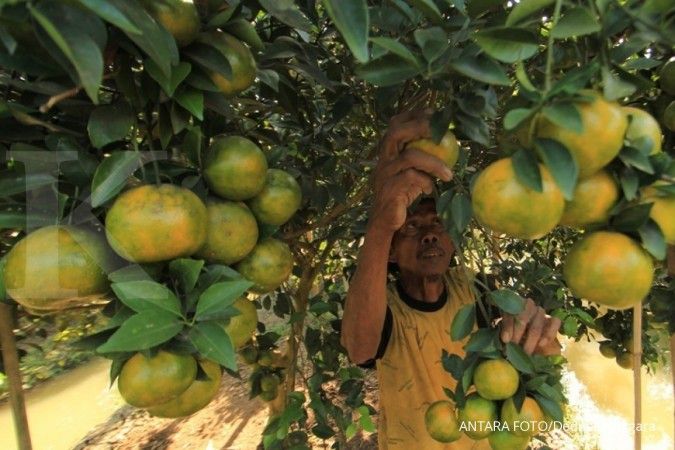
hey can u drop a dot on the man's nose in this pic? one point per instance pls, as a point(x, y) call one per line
point(429, 237)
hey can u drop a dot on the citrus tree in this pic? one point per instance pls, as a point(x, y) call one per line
point(195, 168)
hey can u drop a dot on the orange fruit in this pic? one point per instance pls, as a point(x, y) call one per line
point(240, 58)
point(278, 200)
point(156, 223)
point(232, 232)
point(641, 125)
point(593, 199)
point(268, 265)
point(179, 17)
point(241, 327)
point(441, 422)
point(625, 360)
point(504, 440)
point(496, 379)
point(195, 397)
point(145, 382)
point(525, 422)
point(609, 268)
point(503, 204)
point(447, 150)
point(663, 210)
point(56, 267)
point(477, 416)
point(667, 77)
point(235, 168)
point(269, 382)
point(607, 350)
point(604, 126)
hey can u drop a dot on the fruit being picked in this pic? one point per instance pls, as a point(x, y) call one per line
point(524, 422)
point(57, 267)
point(604, 125)
point(609, 268)
point(268, 265)
point(475, 416)
point(504, 205)
point(240, 58)
point(593, 199)
point(156, 223)
point(447, 150)
point(179, 17)
point(496, 379)
point(235, 168)
point(441, 422)
point(279, 199)
point(232, 232)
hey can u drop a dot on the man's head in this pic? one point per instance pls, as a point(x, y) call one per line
point(422, 247)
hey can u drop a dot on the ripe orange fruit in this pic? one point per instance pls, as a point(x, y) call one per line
point(145, 382)
point(240, 58)
point(504, 440)
point(525, 422)
point(279, 199)
point(235, 168)
point(195, 397)
point(604, 126)
point(268, 265)
point(241, 327)
point(477, 416)
point(593, 199)
point(232, 232)
point(496, 379)
point(663, 210)
point(625, 360)
point(667, 77)
point(607, 350)
point(441, 422)
point(447, 150)
point(156, 223)
point(57, 267)
point(642, 125)
point(503, 204)
point(609, 268)
point(179, 17)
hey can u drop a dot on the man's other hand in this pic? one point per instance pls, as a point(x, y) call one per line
point(532, 328)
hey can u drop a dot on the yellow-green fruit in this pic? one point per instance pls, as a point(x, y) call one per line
point(609, 268)
point(278, 200)
point(601, 139)
point(667, 77)
point(195, 397)
point(179, 17)
point(503, 204)
point(475, 416)
point(156, 223)
point(249, 354)
point(56, 267)
point(625, 360)
point(642, 126)
point(270, 395)
point(504, 440)
point(663, 210)
point(669, 116)
point(527, 421)
point(441, 422)
point(145, 382)
point(241, 327)
point(239, 57)
point(496, 379)
point(607, 350)
point(268, 265)
point(269, 382)
point(235, 168)
point(593, 199)
point(232, 232)
point(447, 150)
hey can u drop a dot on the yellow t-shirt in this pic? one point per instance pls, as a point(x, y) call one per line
point(410, 373)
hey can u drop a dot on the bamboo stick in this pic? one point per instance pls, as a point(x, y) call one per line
point(671, 271)
point(637, 375)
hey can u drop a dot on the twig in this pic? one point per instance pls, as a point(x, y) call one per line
point(53, 100)
point(549, 55)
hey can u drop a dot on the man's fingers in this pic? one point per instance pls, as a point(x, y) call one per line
point(534, 331)
point(550, 331)
point(507, 327)
point(522, 320)
point(416, 159)
point(399, 135)
point(407, 116)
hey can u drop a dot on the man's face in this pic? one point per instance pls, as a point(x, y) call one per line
point(422, 247)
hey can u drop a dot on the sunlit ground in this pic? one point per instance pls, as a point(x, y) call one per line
point(601, 402)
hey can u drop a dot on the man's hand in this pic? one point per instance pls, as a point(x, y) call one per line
point(403, 175)
point(533, 329)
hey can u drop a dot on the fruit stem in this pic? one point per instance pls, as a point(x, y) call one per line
point(549, 55)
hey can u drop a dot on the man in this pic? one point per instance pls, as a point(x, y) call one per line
point(404, 326)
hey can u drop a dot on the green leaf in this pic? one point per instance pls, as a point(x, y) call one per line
point(653, 240)
point(507, 44)
point(20, 220)
point(453, 364)
point(515, 117)
point(147, 296)
point(132, 272)
point(570, 326)
point(550, 407)
point(560, 163)
point(11, 184)
point(111, 14)
point(143, 331)
point(243, 30)
point(523, 79)
point(526, 8)
point(460, 208)
point(192, 100)
point(463, 323)
point(212, 342)
point(635, 158)
point(63, 24)
point(565, 115)
point(433, 42)
point(629, 183)
point(220, 296)
point(396, 48)
point(482, 69)
point(613, 87)
point(482, 339)
point(519, 359)
point(287, 12)
point(526, 167)
point(352, 20)
point(576, 22)
point(187, 272)
point(111, 176)
point(429, 9)
point(387, 70)
point(178, 74)
point(508, 301)
point(110, 123)
point(632, 218)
